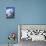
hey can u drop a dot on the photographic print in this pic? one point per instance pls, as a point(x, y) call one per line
point(10, 12)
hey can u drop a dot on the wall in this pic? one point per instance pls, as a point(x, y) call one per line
point(31, 11)
point(6, 25)
point(27, 12)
